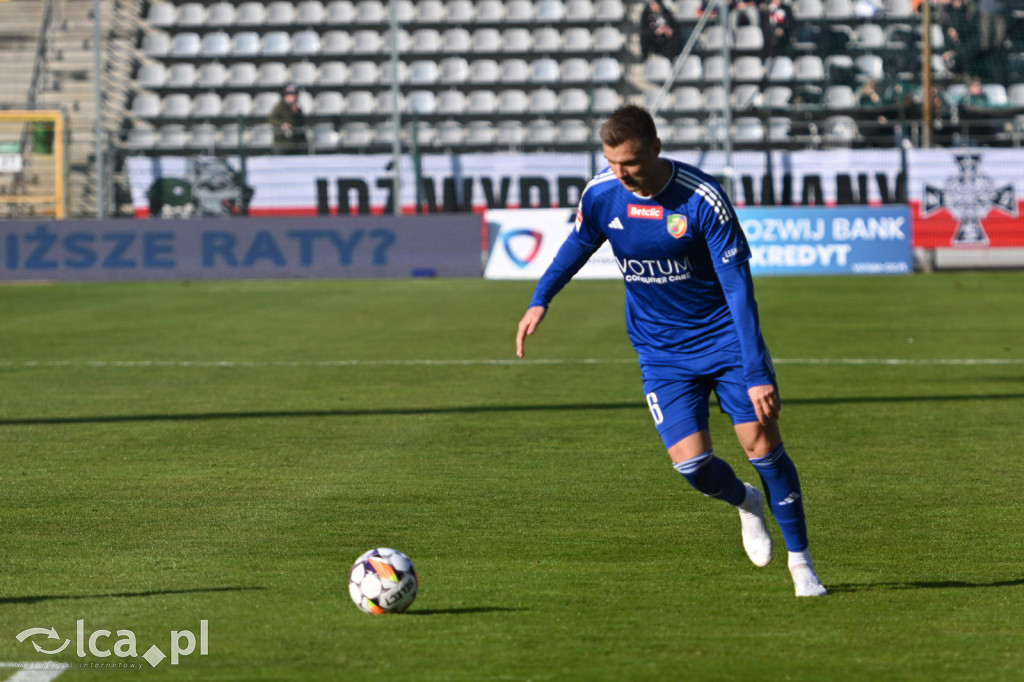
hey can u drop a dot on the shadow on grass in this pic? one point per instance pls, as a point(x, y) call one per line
point(34, 599)
point(464, 409)
point(463, 610)
point(922, 585)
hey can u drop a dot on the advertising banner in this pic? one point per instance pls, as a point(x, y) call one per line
point(783, 241)
point(241, 248)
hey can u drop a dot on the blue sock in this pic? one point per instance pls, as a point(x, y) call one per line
point(782, 488)
point(713, 477)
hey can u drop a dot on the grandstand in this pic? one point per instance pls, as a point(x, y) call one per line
point(186, 77)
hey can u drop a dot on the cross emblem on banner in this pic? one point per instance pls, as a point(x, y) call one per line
point(969, 196)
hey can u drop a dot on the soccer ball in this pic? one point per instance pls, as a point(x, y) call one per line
point(383, 580)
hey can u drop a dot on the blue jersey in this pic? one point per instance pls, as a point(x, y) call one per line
point(684, 261)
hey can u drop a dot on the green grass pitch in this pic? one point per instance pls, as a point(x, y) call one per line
point(222, 451)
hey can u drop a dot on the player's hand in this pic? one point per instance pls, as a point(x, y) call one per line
point(766, 402)
point(528, 325)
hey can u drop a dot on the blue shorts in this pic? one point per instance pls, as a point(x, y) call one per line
point(679, 396)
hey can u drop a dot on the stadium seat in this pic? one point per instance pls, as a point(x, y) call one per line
point(384, 133)
point(748, 38)
point(549, 11)
point(260, 136)
point(335, 43)
point(608, 39)
point(367, 42)
point(451, 102)
point(839, 68)
point(686, 130)
point(181, 75)
point(541, 131)
point(692, 70)
point(748, 130)
point(361, 102)
point(487, 40)
point(611, 11)
point(1015, 95)
point(385, 70)
point(186, 44)
point(513, 101)
point(220, 14)
point(425, 41)
point(809, 67)
point(746, 96)
point(449, 133)
point(362, 72)
point(323, 137)
point(340, 12)
point(306, 43)
point(545, 70)
point(356, 134)
point(542, 101)
point(460, 12)
point(424, 72)
point(245, 44)
point(250, 13)
point(869, 37)
point(869, 66)
point(280, 13)
point(241, 75)
point(839, 97)
point(264, 102)
point(776, 96)
point(517, 40)
point(191, 15)
point(838, 9)
point(481, 102)
point(715, 68)
point(573, 131)
point(748, 69)
point(202, 136)
point(172, 136)
point(310, 13)
point(576, 39)
point(141, 138)
point(657, 69)
point(996, 94)
point(687, 98)
point(371, 12)
point(333, 74)
point(303, 74)
point(162, 15)
point(579, 11)
point(484, 71)
point(387, 102)
point(490, 12)
point(519, 11)
point(146, 105)
point(809, 9)
point(604, 100)
point(479, 133)
point(453, 70)
point(272, 75)
point(237, 104)
point(574, 70)
point(156, 44)
point(328, 103)
point(510, 134)
point(176, 105)
point(573, 101)
point(515, 70)
point(215, 44)
point(151, 75)
point(547, 39)
point(898, 9)
point(431, 12)
point(456, 41)
point(840, 130)
point(781, 69)
point(778, 128)
point(606, 70)
point(713, 37)
point(716, 98)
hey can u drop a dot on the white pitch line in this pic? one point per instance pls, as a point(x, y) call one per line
point(243, 364)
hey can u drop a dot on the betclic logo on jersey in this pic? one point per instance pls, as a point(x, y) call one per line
point(646, 212)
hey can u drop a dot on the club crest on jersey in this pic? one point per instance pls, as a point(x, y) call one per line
point(677, 225)
point(647, 212)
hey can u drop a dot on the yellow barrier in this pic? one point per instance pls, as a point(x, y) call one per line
point(56, 119)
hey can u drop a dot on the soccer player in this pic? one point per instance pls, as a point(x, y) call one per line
point(692, 319)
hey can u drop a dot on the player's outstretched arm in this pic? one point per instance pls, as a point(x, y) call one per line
point(528, 325)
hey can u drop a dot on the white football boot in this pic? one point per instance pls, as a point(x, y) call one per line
point(757, 541)
point(805, 580)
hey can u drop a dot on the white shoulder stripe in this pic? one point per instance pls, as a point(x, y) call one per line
point(709, 193)
point(597, 180)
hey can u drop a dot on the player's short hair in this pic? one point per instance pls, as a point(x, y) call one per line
point(630, 122)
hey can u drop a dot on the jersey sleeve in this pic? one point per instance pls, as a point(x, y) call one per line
point(574, 253)
point(738, 286)
point(726, 242)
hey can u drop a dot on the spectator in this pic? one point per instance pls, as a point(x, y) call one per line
point(776, 24)
point(868, 95)
point(659, 33)
point(975, 96)
point(992, 24)
point(289, 123)
point(959, 22)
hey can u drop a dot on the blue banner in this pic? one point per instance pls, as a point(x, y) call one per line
point(847, 240)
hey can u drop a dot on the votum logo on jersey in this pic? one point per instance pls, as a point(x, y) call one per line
point(646, 212)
